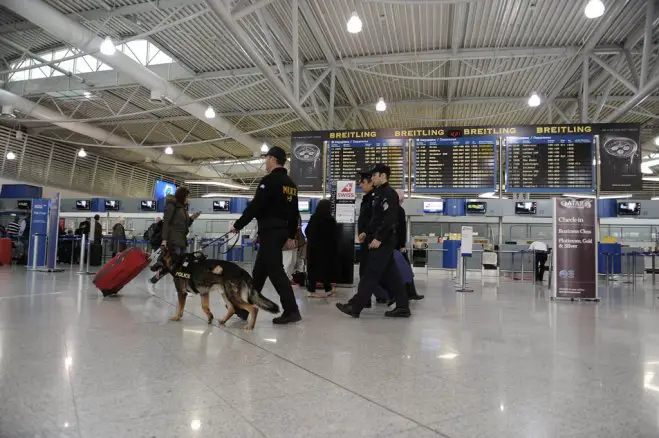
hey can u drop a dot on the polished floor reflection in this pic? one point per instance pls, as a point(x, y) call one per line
point(502, 361)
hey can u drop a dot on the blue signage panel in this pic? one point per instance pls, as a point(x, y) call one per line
point(53, 231)
point(163, 189)
point(347, 158)
point(463, 164)
point(38, 225)
point(554, 163)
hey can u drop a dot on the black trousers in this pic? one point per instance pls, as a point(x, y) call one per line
point(322, 274)
point(269, 264)
point(379, 292)
point(380, 270)
point(540, 260)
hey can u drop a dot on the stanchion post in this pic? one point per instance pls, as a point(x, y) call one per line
point(653, 257)
point(35, 253)
point(83, 241)
point(606, 268)
point(522, 255)
point(634, 271)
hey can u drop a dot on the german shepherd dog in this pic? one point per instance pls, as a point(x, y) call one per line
point(197, 274)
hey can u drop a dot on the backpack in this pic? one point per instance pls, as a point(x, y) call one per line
point(156, 237)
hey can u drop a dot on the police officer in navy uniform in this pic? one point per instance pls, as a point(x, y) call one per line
point(275, 208)
point(380, 236)
point(365, 213)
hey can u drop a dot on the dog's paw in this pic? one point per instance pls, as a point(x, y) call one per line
point(175, 318)
point(210, 319)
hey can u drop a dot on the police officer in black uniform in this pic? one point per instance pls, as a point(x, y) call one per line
point(381, 238)
point(275, 208)
point(365, 213)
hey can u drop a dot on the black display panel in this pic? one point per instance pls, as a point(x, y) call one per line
point(550, 164)
point(148, 205)
point(83, 205)
point(629, 208)
point(526, 207)
point(476, 207)
point(111, 205)
point(348, 158)
point(221, 205)
point(24, 205)
point(455, 164)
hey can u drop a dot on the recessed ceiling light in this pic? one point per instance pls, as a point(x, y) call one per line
point(107, 47)
point(381, 105)
point(11, 155)
point(82, 153)
point(209, 113)
point(594, 9)
point(534, 100)
point(169, 150)
point(354, 24)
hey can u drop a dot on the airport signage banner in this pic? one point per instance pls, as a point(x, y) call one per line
point(38, 225)
point(53, 231)
point(575, 248)
point(307, 162)
point(620, 158)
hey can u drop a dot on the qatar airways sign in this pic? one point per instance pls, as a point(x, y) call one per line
point(575, 249)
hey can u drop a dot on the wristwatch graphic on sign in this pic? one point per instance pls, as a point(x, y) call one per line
point(307, 153)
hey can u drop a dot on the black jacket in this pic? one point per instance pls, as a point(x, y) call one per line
point(401, 229)
point(176, 223)
point(321, 240)
point(365, 212)
point(274, 205)
point(384, 219)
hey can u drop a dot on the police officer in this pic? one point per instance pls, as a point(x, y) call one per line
point(365, 213)
point(275, 208)
point(381, 238)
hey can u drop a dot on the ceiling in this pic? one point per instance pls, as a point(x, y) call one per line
point(436, 63)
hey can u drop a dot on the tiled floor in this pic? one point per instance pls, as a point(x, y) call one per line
point(503, 361)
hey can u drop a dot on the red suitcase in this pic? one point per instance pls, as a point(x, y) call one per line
point(116, 273)
point(6, 250)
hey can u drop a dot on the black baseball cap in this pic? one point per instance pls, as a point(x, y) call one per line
point(277, 153)
point(381, 168)
point(365, 176)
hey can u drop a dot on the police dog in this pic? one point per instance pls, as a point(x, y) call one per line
point(197, 274)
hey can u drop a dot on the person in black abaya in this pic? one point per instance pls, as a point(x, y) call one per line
point(321, 249)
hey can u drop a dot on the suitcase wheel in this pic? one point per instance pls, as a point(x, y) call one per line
point(108, 292)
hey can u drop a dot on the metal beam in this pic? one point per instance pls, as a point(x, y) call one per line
point(329, 55)
point(647, 43)
point(297, 72)
point(79, 36)
point(243, 40)
point(101, 13)
point(639, 98)
point(243, 12)
point(613, 72)
point(330, 117)
point(584, 90)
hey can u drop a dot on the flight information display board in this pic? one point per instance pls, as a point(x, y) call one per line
point(347, 158)
point(550, 164)
point(455, 164)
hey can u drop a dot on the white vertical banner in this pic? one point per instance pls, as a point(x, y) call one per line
point(467, 244)
point(346, 194)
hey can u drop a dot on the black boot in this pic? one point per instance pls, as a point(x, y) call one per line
point(411, 292)
point(398, 312)
point(287, 318)
point(347, 309)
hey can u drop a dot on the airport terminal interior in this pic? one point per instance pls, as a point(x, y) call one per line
point(521, 136)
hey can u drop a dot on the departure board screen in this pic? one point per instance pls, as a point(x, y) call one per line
point(455, 164)
point(348, 158)
point(549, 164)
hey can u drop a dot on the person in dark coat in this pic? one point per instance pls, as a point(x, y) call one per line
point(321, 249)
point(118, 237)
point(401, 246)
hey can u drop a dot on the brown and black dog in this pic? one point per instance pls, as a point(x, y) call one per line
point(202, 276)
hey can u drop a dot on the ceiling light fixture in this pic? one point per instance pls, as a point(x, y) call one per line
point(594, 9)
point(11, 155)
point(381, 105)
point(426, 197)
point(210, 112)
point(219, 184)
point(656, 142)
point(354, 24)
point(264, 148)
point(87, 94)
point(221, 195)
point(579, 195)
point(651, 178)
point(169, 150)
point(82, 153)
point(107, 47)
point(534, 100)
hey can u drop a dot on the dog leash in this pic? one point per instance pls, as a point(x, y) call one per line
point(232, 246)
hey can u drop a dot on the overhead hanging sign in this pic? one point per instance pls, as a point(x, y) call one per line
point(620, 156)
point(575, 249)
point(307, 162)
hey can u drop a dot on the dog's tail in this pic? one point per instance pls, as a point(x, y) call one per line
point(262, 302)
